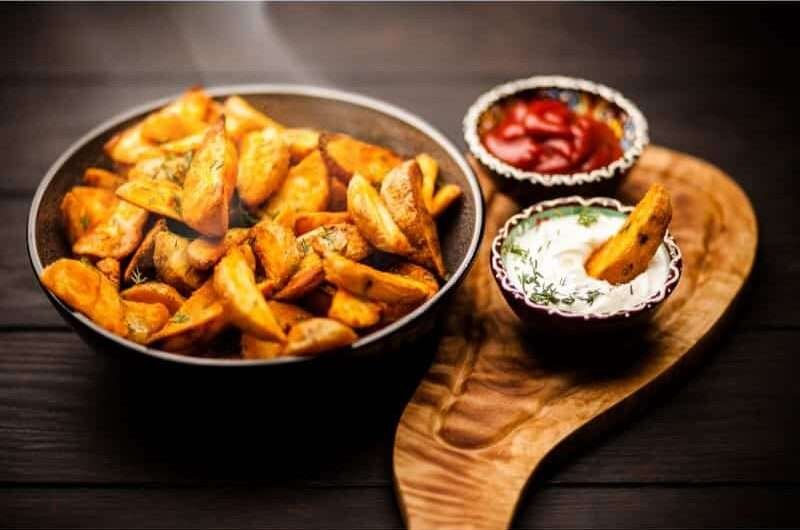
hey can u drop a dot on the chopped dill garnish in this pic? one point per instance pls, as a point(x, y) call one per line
point(85, 222)
point(179, 318)
point(137, 277)
point(517, 250)
point(586, 217)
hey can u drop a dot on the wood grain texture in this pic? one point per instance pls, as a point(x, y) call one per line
point(494, 405)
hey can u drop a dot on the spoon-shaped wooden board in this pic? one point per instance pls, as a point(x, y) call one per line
point(496, 400)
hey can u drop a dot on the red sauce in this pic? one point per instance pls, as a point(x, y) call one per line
point(545, 136)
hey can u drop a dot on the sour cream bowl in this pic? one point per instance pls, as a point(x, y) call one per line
point(537, 260)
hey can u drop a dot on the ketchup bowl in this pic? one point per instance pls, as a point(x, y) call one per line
point(549, 136)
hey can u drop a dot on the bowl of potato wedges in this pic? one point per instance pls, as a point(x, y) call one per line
point(255, 225)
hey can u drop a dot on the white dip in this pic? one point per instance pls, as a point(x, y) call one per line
point(546, 261)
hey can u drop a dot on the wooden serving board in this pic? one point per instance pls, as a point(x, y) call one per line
point(497, 400)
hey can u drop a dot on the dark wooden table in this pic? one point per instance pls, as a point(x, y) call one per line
point(87, 440)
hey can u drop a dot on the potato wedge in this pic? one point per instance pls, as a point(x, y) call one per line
point(109, 267)
point(371, 283)
point(318, 335)
point(338, 200)
point(263, 166)
point(182, 117)
point(255, 348)
point(85, 289)
point(301, 142)
point(187, 144)
point(198, 320)
point(401, 191)
point(83, 208)
point(353, 310)
point(392, 312)
point(241, 118)
point(447, 195)
point(209, 184)
point(345, 156)
point(102, 178)
point(154, 293)
point(343, 238)
point(129, 146)
point(171, 261)
point(628, 253)
point(161, 197)
point(277, 250)
point(308, 276)
point(246, 308)
point(205, 252)
point(142, 260)
point(430, 171)
point(288, 315)
point(308, 221)
point(169, 167)
point(373, 219)
point(144, 319)
point(305, 189)
point(117, 236)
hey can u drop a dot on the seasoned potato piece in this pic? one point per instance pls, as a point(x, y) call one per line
point(628, 253)
point(372, 217)
point(305, 189)
point(129, 146)
point(170, 167)
point(430, 170)
point(308, 221)
point(117, 236)
point(142, 259)
point(301, 142)
point(371, 283)
point(209, 184)
point(182, 117)
point(187, 144)
point(241, 118)
point(197, 321)
point(353, 310)
point(87, 290)
point(401, 190)
point(392, 312)
point(346, 156)
point(338, 200)
point(277, 250)
point(102, 178)
point(263, 165)
point(205, 252)
point(144, 319)
point(317, 335)
point(155, 293)
point(254, 348)
point(308, 276)
point(343, 238)
point(109, 267)
point(171, 260)
point(288, 315)
point(83, 208)
point(161, 197)
point(447, 195)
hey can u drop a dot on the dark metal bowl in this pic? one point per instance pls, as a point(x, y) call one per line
point(372, 120)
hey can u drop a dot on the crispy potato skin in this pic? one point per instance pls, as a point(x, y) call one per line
point(343, 238)
point(317, 335)
point(263, 165)
point(401, 191)
point(353, 310)
point(628, 253)
point(172, 262)
point(83, 208)
point(447, 195)
point(155, 293)
point(288, 315)
point(117, 236)
point(276, 248)
point(430, 171)
point(301, 142)
point(209, 184)
point(84, 288)
point(144, 319)
point(235, 284)
point(346, 156)
point(338, 200)
point(308, 221)
point(160, 197)
point(305, 189)
point(392, 312)
point(198, 320)
point(204, 252)
point(142, 259)
point(102, 178)
point(308, 276)
point(110, 267)
point(371, 283)
point(373, 219)
point(241, 118)
point(182, 117)
point(130, 146)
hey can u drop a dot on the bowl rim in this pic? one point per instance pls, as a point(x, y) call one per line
point(267, 89)
point(618, 166)
point(674, 272)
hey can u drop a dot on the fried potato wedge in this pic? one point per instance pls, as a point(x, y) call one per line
point(447, 195)
point(338, 200)
point(85, 289)
point(245, 306)
point(346, 156)
point(371, 283)
point(255, 348)
point(110, 267)
point(205, 252)
point(102, 178)
point(300, 142)
point(187, 144)
point(373, 219)
point(180, 118)
point(172, 265)
point(83, 208)
point(392, 312)
point(288, 315)
point(308, 221)
point(209, 184)
point(241, 118)
point(198, 320)
point(117, 236)
point(401, 191)
point(129, 146)
point(343, 238)
point(308, 276)
point(161, 197)
point(305, 189)
point(628, 253)
point(317, 335)
point(277, 250)
point(169, 167)
point(430, 171)
point(155, 293)
point(353, 310)
point(144, 319)
point(263, 166)
point(142, 260)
